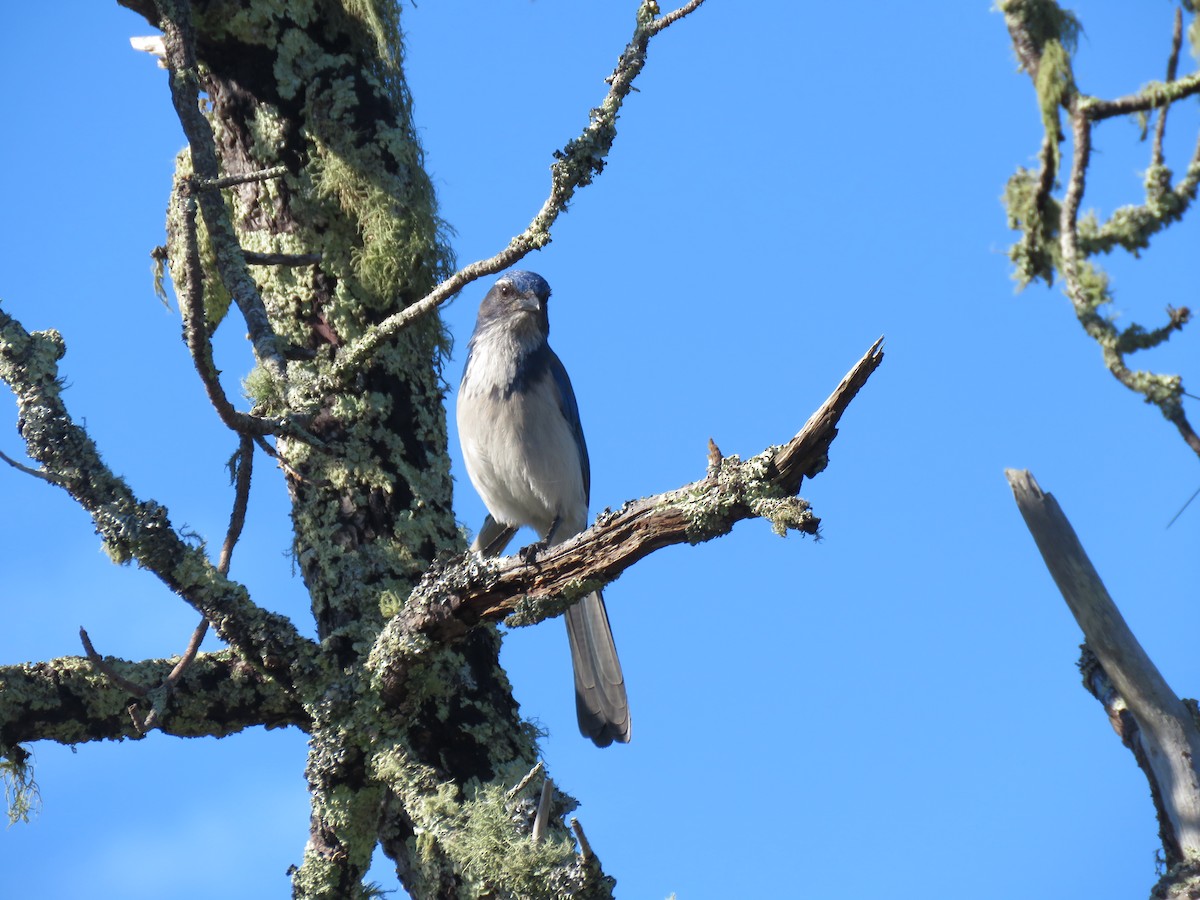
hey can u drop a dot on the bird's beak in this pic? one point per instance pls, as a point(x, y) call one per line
point(528, 302)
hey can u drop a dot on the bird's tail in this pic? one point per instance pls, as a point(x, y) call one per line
point(600, 701)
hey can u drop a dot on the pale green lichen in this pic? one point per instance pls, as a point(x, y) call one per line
point(1043, 21)
point(22, 796)
point(531, 611)
point(784, 513)
point(1054, 84)
point(1036, 255)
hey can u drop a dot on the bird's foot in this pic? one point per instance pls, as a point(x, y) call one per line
point(530, 553)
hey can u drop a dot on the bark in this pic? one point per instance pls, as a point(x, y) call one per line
point(1157, 726)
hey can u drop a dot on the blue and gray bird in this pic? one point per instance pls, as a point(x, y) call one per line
point(523, 445)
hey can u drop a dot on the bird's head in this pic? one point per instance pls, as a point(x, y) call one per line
point(517, 300)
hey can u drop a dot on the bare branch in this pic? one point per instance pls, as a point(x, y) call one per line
point(227, 181)
point(1160, 127)
point(179, 43)
point(452, 599)
point(237, 519)
point(103, 668)
point(36, 473)
point(190, 290)
point(576, 165)
point(1169, 736)
point(538, 769)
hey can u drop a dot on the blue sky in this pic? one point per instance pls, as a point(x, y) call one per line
point(896, 704)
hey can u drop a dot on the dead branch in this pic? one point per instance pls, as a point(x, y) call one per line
point(453, 598)
point(1167, 736)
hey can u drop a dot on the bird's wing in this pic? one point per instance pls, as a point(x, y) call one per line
point(570, 411)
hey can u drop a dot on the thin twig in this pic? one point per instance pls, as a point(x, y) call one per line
point(190, 290)
point(105, 669)
point(1160, 127)
point(179, 43)
point(576, 165)
point(228, 181)
point(1081, 134)
point(1184, 507)
point(237, 520)
point(538, 768)
point(36, 473)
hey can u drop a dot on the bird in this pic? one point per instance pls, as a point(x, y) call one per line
point(523, 445)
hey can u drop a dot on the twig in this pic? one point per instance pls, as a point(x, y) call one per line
point(227, 181)
point(1160, 127)
point(190, 289)
point(105, 669)
point(538, 768)
point(576, 165)
point(1184, 507)
point(179, 44)
point(36, 473)
point(237, 520)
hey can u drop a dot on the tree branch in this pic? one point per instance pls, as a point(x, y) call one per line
point(1160, 127)
point(242, 466)
point(190, 290)
point(1168, 735)
point(133, 529)
point(453, 598)
point(576, 165)
point(1041, 33)
point(66, 700)
point(174, 18)
point(1152, 97)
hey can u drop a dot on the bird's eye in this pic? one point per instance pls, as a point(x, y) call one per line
point(506, 290)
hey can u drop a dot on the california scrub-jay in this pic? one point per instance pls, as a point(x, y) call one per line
point(523, 445)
